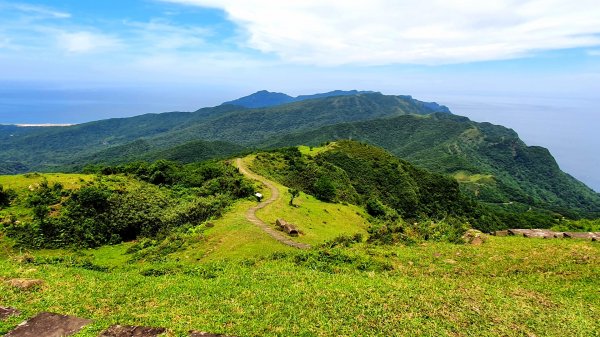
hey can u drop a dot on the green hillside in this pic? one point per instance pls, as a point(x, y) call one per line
point(199, 264)
point(143, 150)
point(51, 148)
point(490, 161)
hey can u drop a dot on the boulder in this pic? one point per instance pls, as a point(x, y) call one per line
point(580, 235)
point(500, 233)
point(474, 237)
point(48, 324)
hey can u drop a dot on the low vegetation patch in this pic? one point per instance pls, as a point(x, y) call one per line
point(125, 202)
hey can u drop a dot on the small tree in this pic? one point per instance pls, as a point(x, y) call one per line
point(295, 193)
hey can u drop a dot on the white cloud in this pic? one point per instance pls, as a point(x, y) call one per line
point(38, 10)
point(162, 35)
point(85, 42)
point(333, 32)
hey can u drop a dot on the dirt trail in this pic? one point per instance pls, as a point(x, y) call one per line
point(251, 213)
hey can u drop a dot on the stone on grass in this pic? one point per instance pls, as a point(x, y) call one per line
point(206, 334)
point(580, 235)
point(517, 232)
point(25, 284)
point(539, 233)
point(474, 237)
point(500, 233)
point(132, 331)
point(49, 325)
point(7, 312)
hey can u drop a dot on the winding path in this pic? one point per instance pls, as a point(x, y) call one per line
point(251, 213)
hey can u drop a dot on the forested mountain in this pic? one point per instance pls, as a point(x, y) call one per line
point(263, 98)
point(490, 161)
point(48, 148)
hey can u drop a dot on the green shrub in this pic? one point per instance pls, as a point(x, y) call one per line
point(6, 196)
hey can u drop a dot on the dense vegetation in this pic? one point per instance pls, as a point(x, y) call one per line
point(122, 140)
point(358, 173)
point(407, 203)
point(227, 276)
point(490, 162)
point(126, 202)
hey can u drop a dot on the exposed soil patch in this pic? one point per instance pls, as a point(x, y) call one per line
point(25, 284)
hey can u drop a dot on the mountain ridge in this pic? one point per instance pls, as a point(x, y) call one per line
point(265, 98)
point(490, 161)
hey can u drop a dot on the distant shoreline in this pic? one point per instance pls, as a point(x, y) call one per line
point(38, 125)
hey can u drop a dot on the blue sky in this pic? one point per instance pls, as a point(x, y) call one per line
point(74, 61)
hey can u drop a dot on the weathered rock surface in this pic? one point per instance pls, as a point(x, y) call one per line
point(132, 331)
point(7, 312)
point(474, 237)
point(549, 234)
point(48, 324)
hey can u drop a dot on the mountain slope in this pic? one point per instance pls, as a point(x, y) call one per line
point(253, 126)
point(44, 148)
point(50, 148)
point(264, 99)
point(490, 161)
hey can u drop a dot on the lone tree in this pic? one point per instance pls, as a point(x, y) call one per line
point(294, 192)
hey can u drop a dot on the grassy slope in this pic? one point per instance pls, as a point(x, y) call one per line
point(509, 286)
point(317, 221)
point(453, 144)
point(21, 183)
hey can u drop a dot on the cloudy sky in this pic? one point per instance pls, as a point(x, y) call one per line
point(506, 61)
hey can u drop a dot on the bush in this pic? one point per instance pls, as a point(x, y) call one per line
point(391, 232)
point(324, 189)
point(6, 196)
point(115, 209)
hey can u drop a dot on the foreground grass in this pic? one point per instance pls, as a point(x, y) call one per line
point(508, 287)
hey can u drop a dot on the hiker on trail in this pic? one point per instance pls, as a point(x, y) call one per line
point(258, 196)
